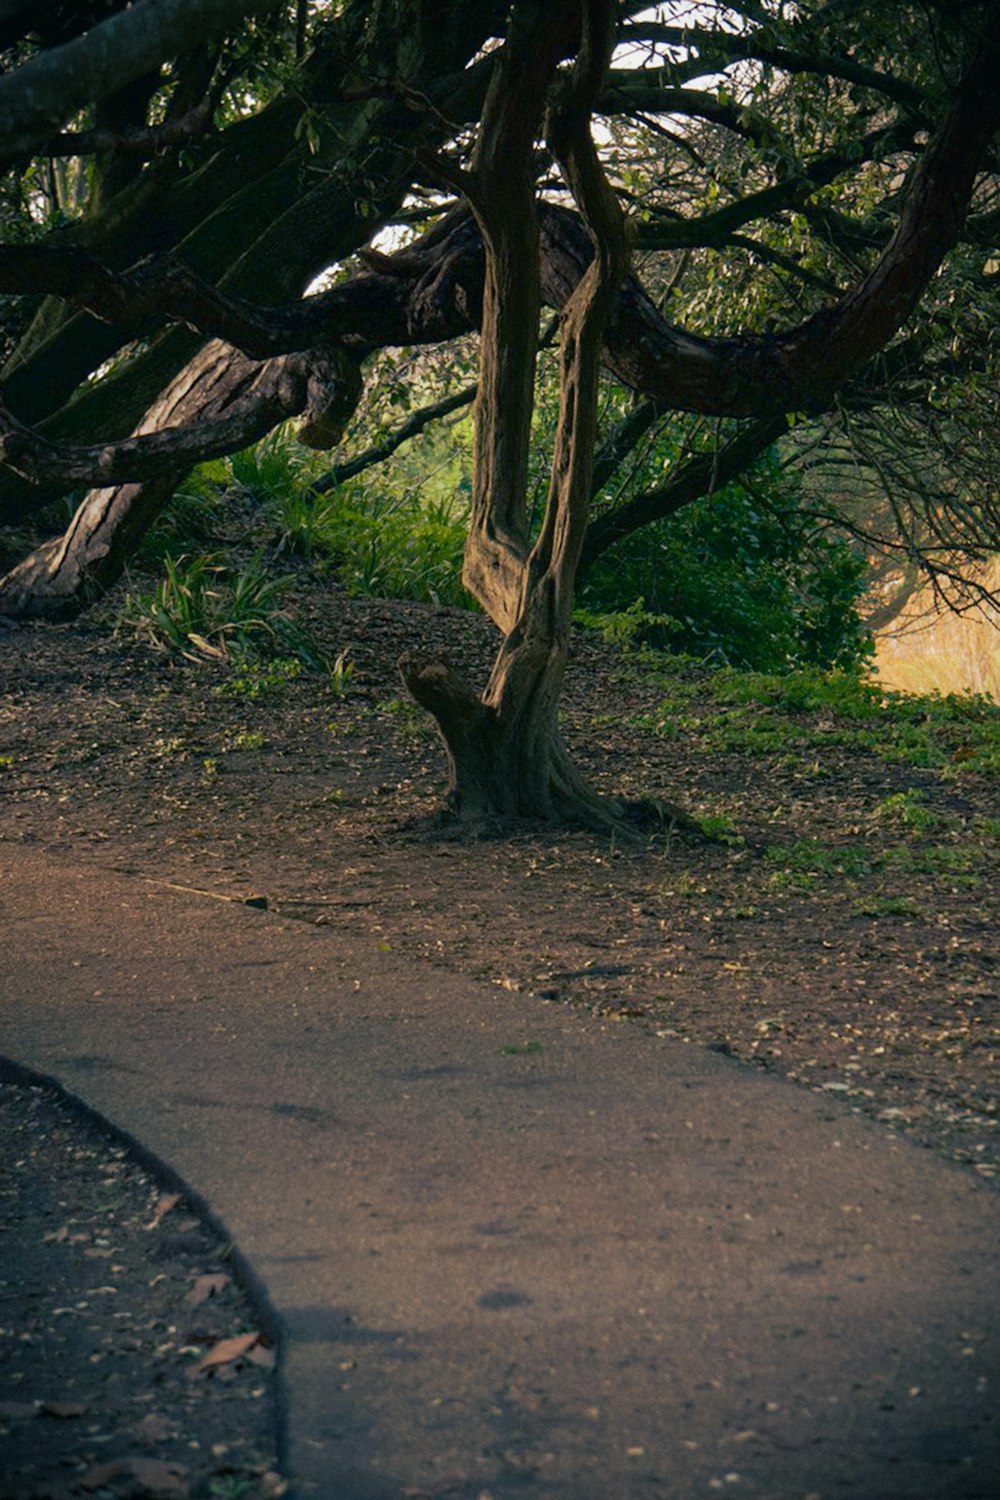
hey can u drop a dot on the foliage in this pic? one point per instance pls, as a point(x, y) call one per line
point(203, 610)
point(743, 576)
point(795, 716)
point(400, 537)
point(392, 547)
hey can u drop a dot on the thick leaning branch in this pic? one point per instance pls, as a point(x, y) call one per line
point(324, 387)
point(716, 50)
point(40, 96)
point(64, 575)
point(138, 141)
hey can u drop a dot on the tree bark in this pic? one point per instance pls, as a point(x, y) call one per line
point(505, 750)
point(37, 98)
point(64, 576)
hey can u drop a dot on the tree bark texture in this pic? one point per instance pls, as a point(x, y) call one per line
point(506, 754)
point(65, 575)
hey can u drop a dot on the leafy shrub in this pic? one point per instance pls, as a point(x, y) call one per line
point(202, 610)
point(806, 711)
point(806, 690)
point(742, 576)
point(274, 471)
point(394, 548)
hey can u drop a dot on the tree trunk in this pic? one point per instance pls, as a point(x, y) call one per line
point(505, 751)
point(503, 765)
point(63, 576)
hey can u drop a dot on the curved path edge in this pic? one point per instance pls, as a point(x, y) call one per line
point(513, 1250)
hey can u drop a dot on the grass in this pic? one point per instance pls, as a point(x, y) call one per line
point(202, 610)
point(888, 906)
point(379, 544)
point(799, 714)
point(811, 857)
point(908, 809)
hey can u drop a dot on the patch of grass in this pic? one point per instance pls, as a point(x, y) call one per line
point(398, 548)
point(307, 525)
point(887, 906)
point(935, 859)
point(274, 472)
point(411, 720)
point(811, 857)
point(720, 830)
point(190, 518)
point(201, 610)
point(799, 714)
point(253, 681)
point(908, 808)
point(807, 690)
point(249, 739)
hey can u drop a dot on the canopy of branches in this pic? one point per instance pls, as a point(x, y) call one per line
point(764, 222)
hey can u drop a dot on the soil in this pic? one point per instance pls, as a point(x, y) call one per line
point(117, 1298)
point(870, 981)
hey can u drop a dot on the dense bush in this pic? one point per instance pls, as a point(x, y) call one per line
point(745, 577)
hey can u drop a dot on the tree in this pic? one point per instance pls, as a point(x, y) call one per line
point(172, 320)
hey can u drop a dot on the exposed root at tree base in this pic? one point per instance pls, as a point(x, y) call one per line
point(637, 820)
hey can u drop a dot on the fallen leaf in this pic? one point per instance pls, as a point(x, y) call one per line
point(227, 1351)
point(161, 1210)
point(206, 1287)
point(57, 1236)
point(154, 1479)
point(159, 1480)
point(186, 1225)
point(155, 1428)
point(100, 1475)
point(63, 1409)
point(265, 1358)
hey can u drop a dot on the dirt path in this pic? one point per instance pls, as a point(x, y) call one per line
point(119, 1370)
point(512, 1248)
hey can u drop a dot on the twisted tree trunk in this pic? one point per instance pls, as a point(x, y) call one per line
point(506, 754)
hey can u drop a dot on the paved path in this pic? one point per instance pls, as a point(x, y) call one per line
point(517, 1252)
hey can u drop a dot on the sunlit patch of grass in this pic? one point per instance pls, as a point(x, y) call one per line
point(934, 859)
point(408, 718)
point(798, 715)
point(887, 906)
point(248, 739)
point(811, 857)
point(908, 808)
